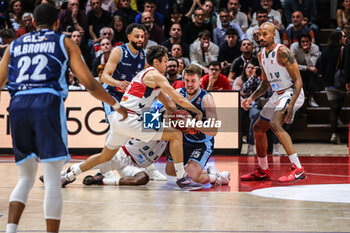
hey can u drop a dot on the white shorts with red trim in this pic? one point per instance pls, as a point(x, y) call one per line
point(132, 127)
point(278, 101)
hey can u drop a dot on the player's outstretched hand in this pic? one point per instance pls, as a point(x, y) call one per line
point(123, 112)
point(289, 113)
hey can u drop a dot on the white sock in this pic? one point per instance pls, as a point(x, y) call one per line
point(74, 172)
point(212, 178)
point(179, 169)
point(111, 181)
point(263, 163)
point(11, 228)
point(294, 159)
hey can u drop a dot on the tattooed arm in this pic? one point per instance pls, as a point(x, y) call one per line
point(263, 87)
point(286, 57)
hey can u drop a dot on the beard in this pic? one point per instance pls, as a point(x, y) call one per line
point(134, 44)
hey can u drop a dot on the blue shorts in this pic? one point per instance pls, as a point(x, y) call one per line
point(38, 127)
point(198, 152)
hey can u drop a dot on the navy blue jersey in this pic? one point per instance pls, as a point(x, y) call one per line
point(127, 68)
point(196, 136)
point(38, 60)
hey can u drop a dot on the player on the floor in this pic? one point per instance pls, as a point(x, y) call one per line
point(198, 143)
point(138, 97)
point(34, 68)
point(280, 72)
point(124, 63)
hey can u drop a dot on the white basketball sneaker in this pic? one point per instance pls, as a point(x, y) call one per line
point(223, 178)
point(154, 174)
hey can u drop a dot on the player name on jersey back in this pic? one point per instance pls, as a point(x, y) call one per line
point(43, 47)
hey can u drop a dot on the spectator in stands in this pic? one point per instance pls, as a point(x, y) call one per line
point(273, 15)
point(5, 21)
point(192, 30)
point(171, 71)
point(254, 5)
point(229, 51)
point(176, 52)
point(150, 6)
point(7, 36)
point(108, 33)
point(119, 29)
point(203, 51)
point(175, 38)
point(306, 54)
point(28, 26)
point(262, 17)
point(76, 37)
point(331, 60)
point(343, 14)
point(106, 48)
point(15, 13)
point(219, 33)
point(215, 80)
point(236, 16)
point(308, 8)
point(209, 15)
point(293, 33)
point(106, 5)
point(97, 19)
point(256, 42)
point(147, 42)
point(181, 65)
point(240, 62)
point(38, 2)
point(176, 17)
point(126, 12)
point(156, 33)
point(72, 19)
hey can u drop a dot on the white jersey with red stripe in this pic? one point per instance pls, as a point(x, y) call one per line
point(138, 96)
point(144, 154)
point(276, 73)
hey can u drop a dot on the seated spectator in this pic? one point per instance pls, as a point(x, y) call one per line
point(150, 6)
point(215, 80)
point(147, 42)
point(156, 33)
point(192, 30)
point(236, 15)
point(229, 50)
point(256, 42)
point(240, 62)
point(273, 15)
point(133, 5)
point(126, 12)
point(209, 15)
point(77, 38)
point(203, 51)
point(73, 82)
point(106, 48)
point(176, 17)
point(175, 38)
point(219, 33)
point(306, 54)
point(293, 33)
point(97, 19)
point(72, 19)
point(15, 13)
point(254, 5)
point(119, 29)
point(307, 8)
point(171, 71)
point(181, 66)
point(176, 52)
point(7, 36)
point(343, 14)
point(107, 5)
point(28, 26)
point(262, 17)
point(108, 33)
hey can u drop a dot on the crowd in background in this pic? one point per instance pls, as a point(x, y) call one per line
point(221, 36)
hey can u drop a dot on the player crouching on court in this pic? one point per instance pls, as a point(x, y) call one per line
point(198, 143)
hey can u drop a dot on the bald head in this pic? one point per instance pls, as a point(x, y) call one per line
point(268, 27)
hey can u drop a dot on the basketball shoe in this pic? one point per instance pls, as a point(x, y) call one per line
point(223, 178)
point(293, 175)
point(64, 181)
point(257, 174)
point(186, 183)
point(96, 179)
point(154, 174)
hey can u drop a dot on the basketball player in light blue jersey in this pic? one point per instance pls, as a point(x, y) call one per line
point(34, 66)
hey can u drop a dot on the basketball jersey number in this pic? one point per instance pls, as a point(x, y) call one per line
point(40, 61)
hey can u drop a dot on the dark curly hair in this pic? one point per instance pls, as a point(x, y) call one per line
point(156, 52)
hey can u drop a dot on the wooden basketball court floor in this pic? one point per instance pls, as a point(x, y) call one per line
point(321, 203)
